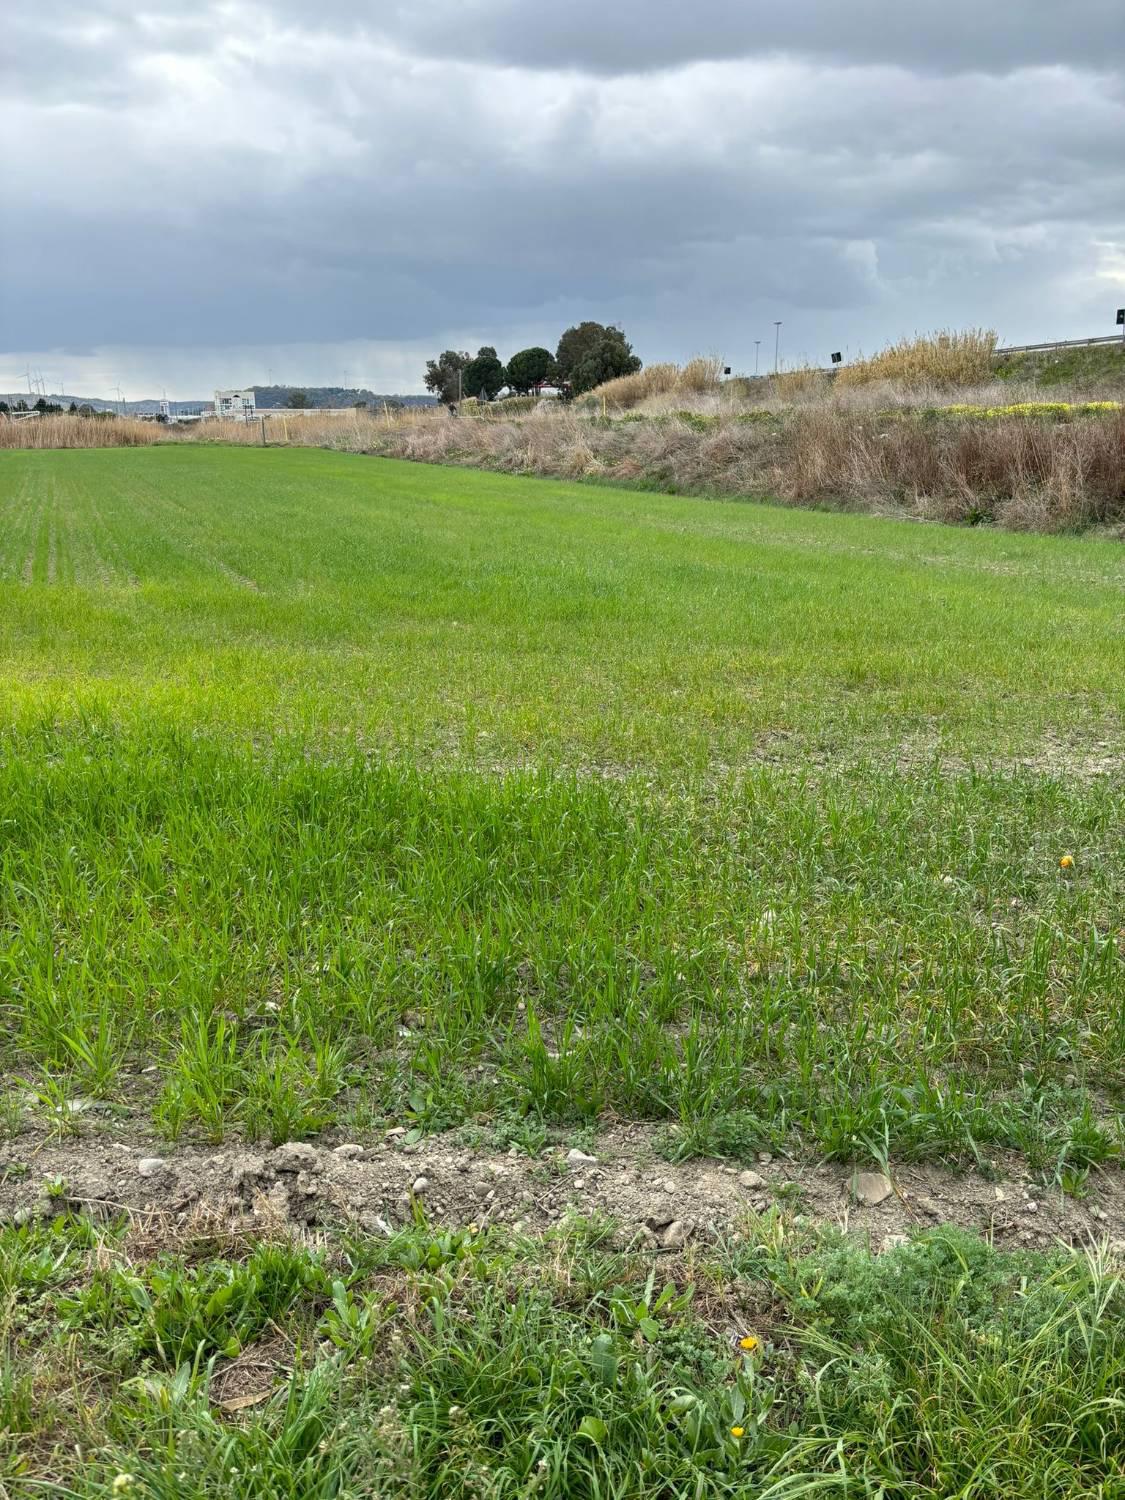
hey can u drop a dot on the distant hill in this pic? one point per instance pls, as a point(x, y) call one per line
point(268, 397)
point(275, 397)
point(147, 407)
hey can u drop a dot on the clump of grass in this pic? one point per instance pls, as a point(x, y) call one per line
point(946, 358)
point(803, 381)
point(699, 376)
point(442, 1361)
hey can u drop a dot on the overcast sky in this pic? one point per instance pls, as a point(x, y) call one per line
point(220, 191)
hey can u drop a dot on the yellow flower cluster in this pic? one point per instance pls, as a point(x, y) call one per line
point(1061, 409)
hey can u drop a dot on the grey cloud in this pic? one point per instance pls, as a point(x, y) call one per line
point(636, 35)
point(397, 173)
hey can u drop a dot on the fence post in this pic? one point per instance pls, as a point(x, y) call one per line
point(264, 432)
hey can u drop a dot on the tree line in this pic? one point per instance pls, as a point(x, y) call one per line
point(52, 408)
point(587, 355)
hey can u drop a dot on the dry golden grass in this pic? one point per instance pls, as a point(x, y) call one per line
point(351, 431)
point(947, 358)
point(66, 431)
point(804, 381)
point(698, 377)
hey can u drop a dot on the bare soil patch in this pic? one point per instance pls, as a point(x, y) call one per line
point(375, 1187)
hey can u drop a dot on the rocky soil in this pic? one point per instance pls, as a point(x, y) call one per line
point(374, 1186)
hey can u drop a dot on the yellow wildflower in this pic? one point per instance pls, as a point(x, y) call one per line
point(749, 1343)
point(1067, 862)
point(737, 1432)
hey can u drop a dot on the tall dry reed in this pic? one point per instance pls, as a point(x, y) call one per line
point(948, 358)
point(699, 376)
point(64, 430)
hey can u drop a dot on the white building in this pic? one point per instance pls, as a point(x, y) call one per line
point(237, 405)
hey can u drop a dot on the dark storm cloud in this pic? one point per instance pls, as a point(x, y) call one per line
point(250, 173)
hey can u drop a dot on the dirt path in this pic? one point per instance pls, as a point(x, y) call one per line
point(374, 1187)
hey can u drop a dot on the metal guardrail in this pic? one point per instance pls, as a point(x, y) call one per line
point(1109, 338)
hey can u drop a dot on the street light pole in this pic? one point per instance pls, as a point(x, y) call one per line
point(757, 345)
point(776, 343)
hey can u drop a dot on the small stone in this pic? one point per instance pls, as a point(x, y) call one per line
point(764, 1158)
point(1001, 1195)
point(375, 1224)
point(668, 1185)
point(871, 1188)
point(151, 1166)
point(675, 1235)
point(306, 1184)
point(295, 1156)
point(576, 1158)
point(348, 1153)
point(580, 1182)
point(420, 1184)
point(751, 1180)
point(394, 1132)
point(1031, 1208)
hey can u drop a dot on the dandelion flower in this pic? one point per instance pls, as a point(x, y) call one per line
point(749, 1343)
point(737, 1432)
point(1067, 862)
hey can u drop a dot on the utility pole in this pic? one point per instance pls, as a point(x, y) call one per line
point(776, 343)
point(757, 346)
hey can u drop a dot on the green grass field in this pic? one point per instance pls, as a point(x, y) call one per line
point(396, 606)
point(346, 793)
